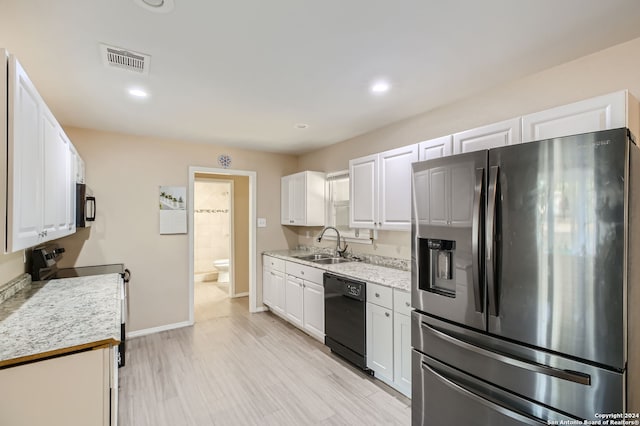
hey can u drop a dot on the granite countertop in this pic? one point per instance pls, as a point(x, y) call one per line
point(48, 318)
point(370, 273)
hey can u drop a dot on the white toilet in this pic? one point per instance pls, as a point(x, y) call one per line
point(222, 265)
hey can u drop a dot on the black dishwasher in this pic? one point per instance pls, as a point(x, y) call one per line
point(345, 320)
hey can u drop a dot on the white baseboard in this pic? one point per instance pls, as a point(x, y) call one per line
point(245, 294)
point(147, 331)
point(260, 309)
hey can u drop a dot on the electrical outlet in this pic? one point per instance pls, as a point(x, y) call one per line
point(262, 222)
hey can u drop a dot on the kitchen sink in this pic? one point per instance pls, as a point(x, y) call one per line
point(314, 257)
point(331, 260)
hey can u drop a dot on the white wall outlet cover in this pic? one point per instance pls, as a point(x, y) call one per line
point(262, 222)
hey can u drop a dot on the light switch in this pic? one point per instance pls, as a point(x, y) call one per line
point(262, 222)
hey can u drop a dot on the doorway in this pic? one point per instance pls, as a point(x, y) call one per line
point(213, 244)
point(241, 187)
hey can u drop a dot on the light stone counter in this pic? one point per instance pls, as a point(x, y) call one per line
point(61, 316)
point(389, 277)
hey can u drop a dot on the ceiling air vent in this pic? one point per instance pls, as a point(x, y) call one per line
point(125, 59)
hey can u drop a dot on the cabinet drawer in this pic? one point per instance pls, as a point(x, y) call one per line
point(273, 263)
point(307, 273)
point(402, 302)
point(380, 295)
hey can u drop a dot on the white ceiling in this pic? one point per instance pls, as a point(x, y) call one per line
point(244, 72)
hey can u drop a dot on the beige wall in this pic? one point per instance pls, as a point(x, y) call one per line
point(124, 172)
point(11, 266)
point(606, 71)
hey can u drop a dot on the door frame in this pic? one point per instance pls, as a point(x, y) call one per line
point(252, 175)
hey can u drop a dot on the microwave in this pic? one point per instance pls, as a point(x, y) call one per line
point(85, 206)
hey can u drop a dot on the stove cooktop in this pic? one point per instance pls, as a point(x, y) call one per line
point(85, 271)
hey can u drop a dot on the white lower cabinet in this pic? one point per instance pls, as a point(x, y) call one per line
point(295, 292)
point(389, 336)
point(294, 304)
point(402, 353)
point(314, 310)
point(73, 390)
point(273, 288)
point(380, 342)
point(278, 291)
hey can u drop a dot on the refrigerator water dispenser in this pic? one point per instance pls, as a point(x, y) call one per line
point(437, 257)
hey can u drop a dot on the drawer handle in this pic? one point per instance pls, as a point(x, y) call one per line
point(386, 314)
point(377, 294)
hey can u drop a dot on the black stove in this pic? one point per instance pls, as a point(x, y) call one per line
point(44, 267)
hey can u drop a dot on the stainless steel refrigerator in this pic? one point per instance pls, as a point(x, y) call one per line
point(525, 268)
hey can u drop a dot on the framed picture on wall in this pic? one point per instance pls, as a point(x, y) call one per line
point(173, 209)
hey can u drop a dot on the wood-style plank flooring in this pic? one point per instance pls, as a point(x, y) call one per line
point(237, 368)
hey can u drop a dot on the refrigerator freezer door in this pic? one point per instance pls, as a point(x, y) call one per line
point(559, 245)
point(450, 397)
point(573, 387)
point(448, 199)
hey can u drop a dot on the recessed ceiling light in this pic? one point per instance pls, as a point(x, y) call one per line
point(380, 87)
point(138, 93)
point(159, 6)
point(301, 126)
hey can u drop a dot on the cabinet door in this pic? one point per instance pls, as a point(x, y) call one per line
point(73, 160)
point(294, 294)
point(277, 292)
point(56, 178)
point(402, 353)
point(395, 188)
point(486, 137)
point(380, 341)
point(435, 148)
point(285, 211)
point(266, 284)
point(297, 199)
point(600, 113)
point(314, 309)
point(24, 161)
point(363, 196)
point(71, 390)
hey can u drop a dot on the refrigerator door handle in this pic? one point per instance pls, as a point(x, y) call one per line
point(572, 376)
point(492, 288)
point(476, 238)
point(520, 418)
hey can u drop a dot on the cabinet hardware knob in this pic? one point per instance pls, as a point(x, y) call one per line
point(377, 294)
point(386, 314)
point(301, 272)
point(407, 303)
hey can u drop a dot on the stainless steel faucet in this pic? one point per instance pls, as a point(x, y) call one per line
point(339, 252)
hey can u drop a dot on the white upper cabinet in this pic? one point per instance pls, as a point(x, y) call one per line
point(435, 148)
point(39, 190)
point(25, 162)
point(395, 188)
point(57, 177)
point(609, 111)
point(486, 137)
point(302, 199)
point(380, 194)
point(363, 196)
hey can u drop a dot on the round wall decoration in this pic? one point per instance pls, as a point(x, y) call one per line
point(224, 160)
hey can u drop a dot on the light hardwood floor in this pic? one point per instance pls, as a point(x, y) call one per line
point(236, 368)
